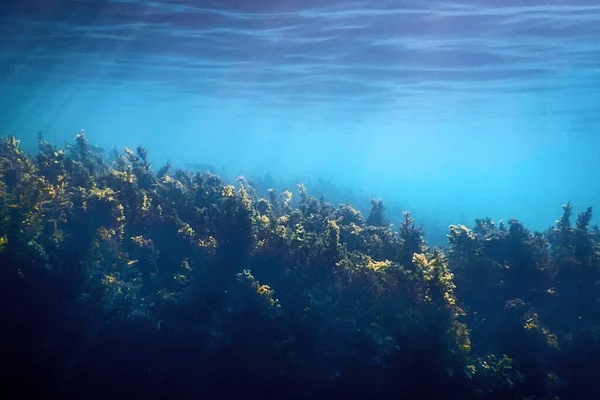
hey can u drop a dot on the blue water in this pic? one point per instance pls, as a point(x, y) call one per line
point(452, 110)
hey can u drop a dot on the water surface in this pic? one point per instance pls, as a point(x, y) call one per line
point(454, 110)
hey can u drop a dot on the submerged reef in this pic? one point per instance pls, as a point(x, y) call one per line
point(118, 278)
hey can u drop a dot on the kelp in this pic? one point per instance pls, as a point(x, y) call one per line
point(304, 301)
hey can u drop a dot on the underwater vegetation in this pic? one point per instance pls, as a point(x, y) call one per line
point(118, 278)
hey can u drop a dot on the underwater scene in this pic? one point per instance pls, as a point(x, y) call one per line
point(300, 199)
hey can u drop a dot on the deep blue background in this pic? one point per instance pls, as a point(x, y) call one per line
point(453, 110)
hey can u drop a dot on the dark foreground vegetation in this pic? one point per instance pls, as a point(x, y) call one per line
point(118, 280)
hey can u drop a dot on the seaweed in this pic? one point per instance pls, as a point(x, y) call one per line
point(301, 299)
